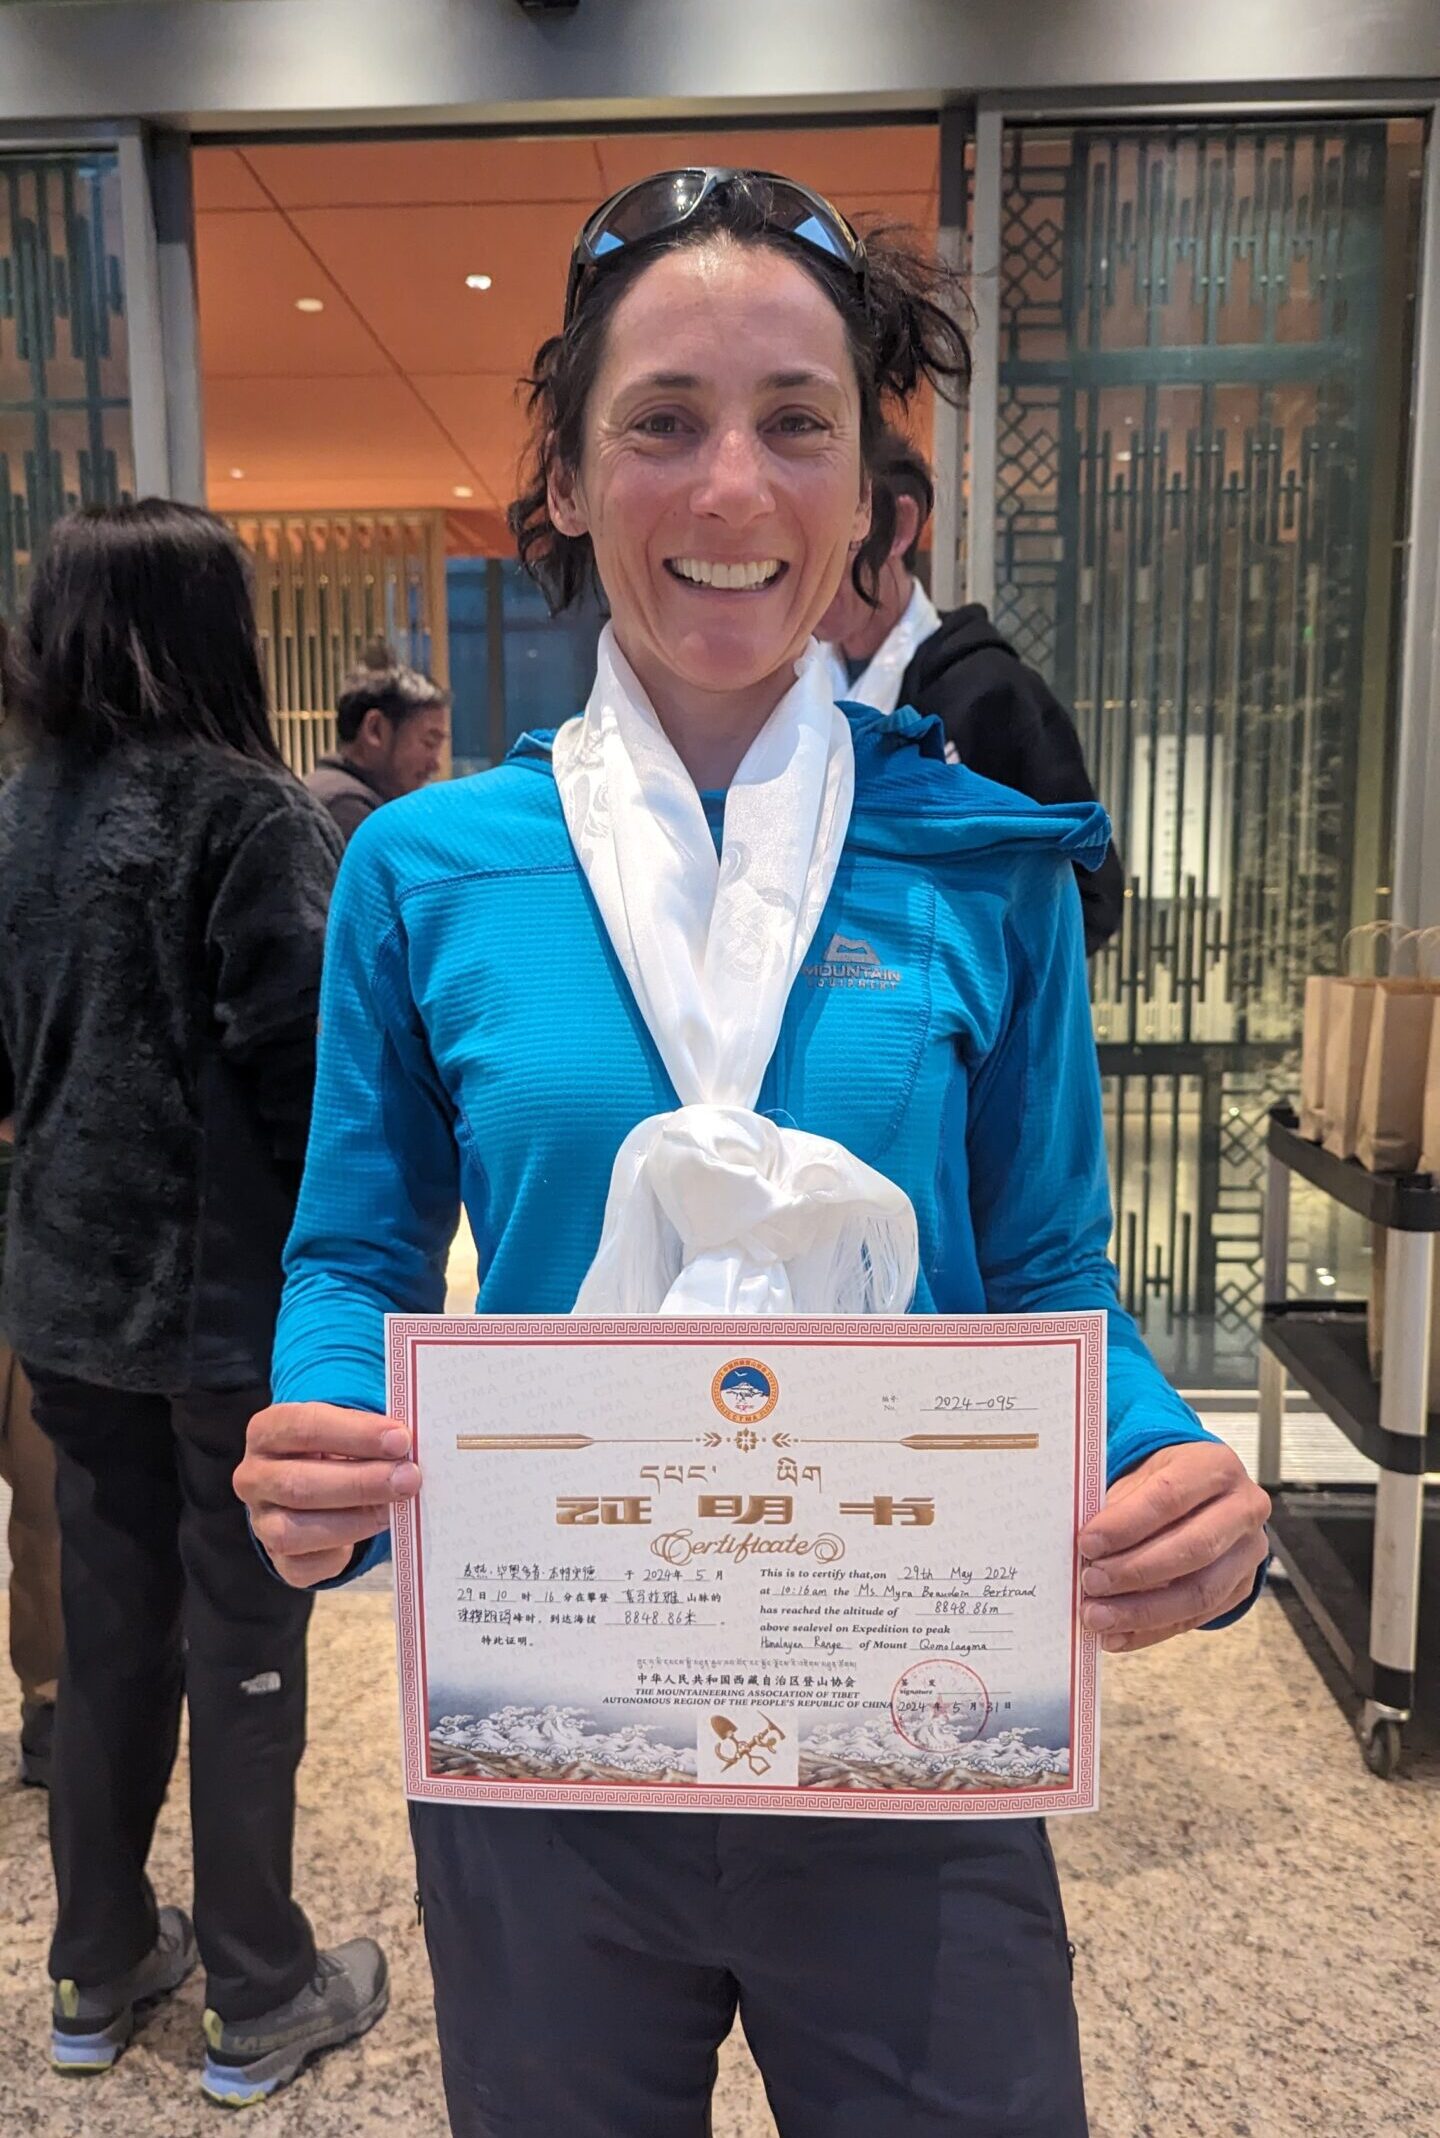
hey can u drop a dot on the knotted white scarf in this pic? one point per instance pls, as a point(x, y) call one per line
point(879, 684)
point(712, 1208)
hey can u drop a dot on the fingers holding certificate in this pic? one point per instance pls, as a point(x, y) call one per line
point(318, 1480)
point(807, 1565)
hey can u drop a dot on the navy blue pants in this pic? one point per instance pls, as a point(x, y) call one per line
point(895, 1979)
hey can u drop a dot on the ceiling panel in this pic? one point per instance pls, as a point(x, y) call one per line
point(347, 493)
point(915, 211)
point(223, 179)
point(486, 417)
point(453, 173)
point(298, 434)
point(404, 387)
point(476, 534)
point(251, 268)
point(851, 166)
point(405, 268)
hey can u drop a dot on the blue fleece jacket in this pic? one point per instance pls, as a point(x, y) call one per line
point(479, 1043)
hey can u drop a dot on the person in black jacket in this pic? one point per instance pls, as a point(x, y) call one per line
point(27, 1466)
point(1000, 717)
point(393, 724)
point(164, 882)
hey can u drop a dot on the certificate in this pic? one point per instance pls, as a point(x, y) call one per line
point(778, 1565)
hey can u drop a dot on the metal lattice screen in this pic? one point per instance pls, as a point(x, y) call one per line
point(64, 380)
point(326, 584)
point(1202, 420)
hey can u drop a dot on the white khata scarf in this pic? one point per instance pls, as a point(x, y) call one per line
point(879, 684)
point(714, 1209)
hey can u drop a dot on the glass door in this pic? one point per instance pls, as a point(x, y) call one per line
point(1204, 365)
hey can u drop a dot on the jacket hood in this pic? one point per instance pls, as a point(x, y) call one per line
point(962, 632)
point(910, 802)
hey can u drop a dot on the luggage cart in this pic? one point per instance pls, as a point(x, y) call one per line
point(1322, 1346)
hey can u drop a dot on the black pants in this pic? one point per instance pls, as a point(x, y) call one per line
point(163, 1594)
point(895, 1979)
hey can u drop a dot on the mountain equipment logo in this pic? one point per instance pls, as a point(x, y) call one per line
point(849, 961)
point(843, 951)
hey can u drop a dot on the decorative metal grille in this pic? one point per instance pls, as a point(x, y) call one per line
point(325, 584)
point(64, 390)
point(1204, 346)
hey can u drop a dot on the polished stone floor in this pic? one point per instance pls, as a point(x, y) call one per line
point(1254, 1916)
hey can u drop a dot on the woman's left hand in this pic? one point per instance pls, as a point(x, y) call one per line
point(1177, 1543)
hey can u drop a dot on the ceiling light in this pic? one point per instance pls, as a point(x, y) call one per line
point(463, 490)
point(237, 475)
point(309, 304)
point(477, 282)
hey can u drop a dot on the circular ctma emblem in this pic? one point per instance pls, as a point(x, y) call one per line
point(939, 1704)
point(745, 1390)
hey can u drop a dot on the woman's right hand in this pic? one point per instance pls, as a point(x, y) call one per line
point(318, 1480)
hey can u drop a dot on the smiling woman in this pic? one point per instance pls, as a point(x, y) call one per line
point(893, 309)
point(683, 1126)
point(741, 464)
point(721, 500)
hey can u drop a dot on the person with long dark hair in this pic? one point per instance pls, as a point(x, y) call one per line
point(164, 883)
point(579, 994)
point(27, 1466)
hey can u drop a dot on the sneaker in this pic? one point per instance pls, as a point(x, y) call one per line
point(37, 1736)
point(250, 2059)
point(89, 2027)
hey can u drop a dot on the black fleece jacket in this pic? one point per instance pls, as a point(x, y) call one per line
point(162, 921)
point(1006, 723)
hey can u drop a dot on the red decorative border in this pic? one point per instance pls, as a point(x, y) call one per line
point(404, 1332)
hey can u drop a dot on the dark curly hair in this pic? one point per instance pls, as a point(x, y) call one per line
point(900, 470)
point(900, 324)
point(388, 687)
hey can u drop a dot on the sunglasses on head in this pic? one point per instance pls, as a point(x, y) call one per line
point(671, 199)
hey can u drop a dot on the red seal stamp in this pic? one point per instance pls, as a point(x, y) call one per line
point(938, 1704)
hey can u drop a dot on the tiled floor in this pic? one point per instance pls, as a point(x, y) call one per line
point(1250, 1910)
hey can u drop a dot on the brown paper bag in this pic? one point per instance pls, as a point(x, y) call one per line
point(1312, 1056)
point(1347, 1043)
point(1375, 1329)
point(1321, 996)
point(1388, 1125)
point(1430, 1106)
